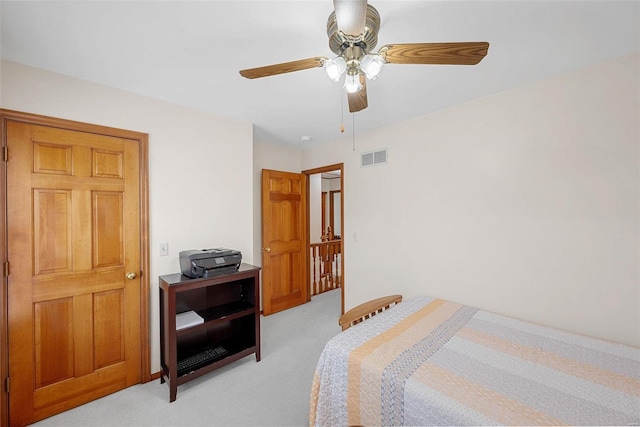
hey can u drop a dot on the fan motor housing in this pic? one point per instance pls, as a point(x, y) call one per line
point(339, 42)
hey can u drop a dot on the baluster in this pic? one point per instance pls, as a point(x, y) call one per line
point(324, 267)
point(315, 283)
point(339, 268)
point(336, 253)
point(319, 290)
point(331, 281)
point(320, 269)
point(336, 269)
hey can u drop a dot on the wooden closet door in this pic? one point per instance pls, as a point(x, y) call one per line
point(73, 216)
point(284, 228)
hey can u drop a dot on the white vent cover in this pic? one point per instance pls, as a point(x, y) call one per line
point(373, 158)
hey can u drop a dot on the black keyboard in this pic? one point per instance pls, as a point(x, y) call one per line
point(198, 360)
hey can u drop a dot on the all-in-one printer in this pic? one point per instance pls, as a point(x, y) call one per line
point(209, 262)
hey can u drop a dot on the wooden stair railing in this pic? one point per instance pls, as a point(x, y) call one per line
point(326, 260)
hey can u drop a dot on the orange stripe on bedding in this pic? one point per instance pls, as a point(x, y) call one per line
point(551, 360)
point(374, 355)
point(493, 405)
point(313, 401)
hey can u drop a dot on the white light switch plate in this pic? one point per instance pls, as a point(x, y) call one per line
point(163, 250)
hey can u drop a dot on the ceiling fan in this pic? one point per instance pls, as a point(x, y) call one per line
point(353, 33)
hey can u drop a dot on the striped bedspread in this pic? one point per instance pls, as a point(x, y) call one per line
point(433, 362)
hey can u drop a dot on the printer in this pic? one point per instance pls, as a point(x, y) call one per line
point(209, 262)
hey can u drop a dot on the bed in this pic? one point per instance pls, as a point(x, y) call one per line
point(427, 361)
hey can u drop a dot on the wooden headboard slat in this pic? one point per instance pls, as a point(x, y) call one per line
point(367, 309)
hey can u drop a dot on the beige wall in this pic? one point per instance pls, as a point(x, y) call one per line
point(524, 203)
point(200, 164)
point(329, 185)
point(315, 207)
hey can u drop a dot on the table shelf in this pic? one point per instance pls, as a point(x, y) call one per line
point(229, 305)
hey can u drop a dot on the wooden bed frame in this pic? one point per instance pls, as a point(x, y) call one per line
point(367, 309)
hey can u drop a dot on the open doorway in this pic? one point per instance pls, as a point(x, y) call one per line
point(325, 219)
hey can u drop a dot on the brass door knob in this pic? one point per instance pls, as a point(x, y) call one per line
point(267, 249)
point(131, 275)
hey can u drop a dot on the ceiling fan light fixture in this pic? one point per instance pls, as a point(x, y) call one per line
point(335, 68)
point(353, 33)
point(371, 65)
point(352, 83)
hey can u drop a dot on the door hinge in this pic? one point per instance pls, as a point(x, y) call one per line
point(5, 154)
point(6, 384)
point(5, 267)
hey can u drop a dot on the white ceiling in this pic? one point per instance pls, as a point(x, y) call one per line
point(190, 53)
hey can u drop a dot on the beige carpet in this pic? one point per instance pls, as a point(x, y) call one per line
point(272, 392)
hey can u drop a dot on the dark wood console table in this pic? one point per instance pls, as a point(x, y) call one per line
point(230, 310)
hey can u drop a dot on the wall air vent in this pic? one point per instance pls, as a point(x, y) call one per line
point(373, 158)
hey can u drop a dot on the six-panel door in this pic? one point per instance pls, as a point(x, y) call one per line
point(73, 231)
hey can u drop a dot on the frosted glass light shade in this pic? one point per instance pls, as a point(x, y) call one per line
point(352, 83)
point(335, 68)
point(371, 65)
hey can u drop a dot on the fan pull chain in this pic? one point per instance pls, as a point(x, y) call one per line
point(353, 130)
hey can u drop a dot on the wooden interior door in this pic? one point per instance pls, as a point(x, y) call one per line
point(284, 229)
point(73, 221)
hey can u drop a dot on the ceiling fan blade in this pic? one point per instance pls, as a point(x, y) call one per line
point(351, 16)
point(358, 100)
point(462, 53)
point(285, 67)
